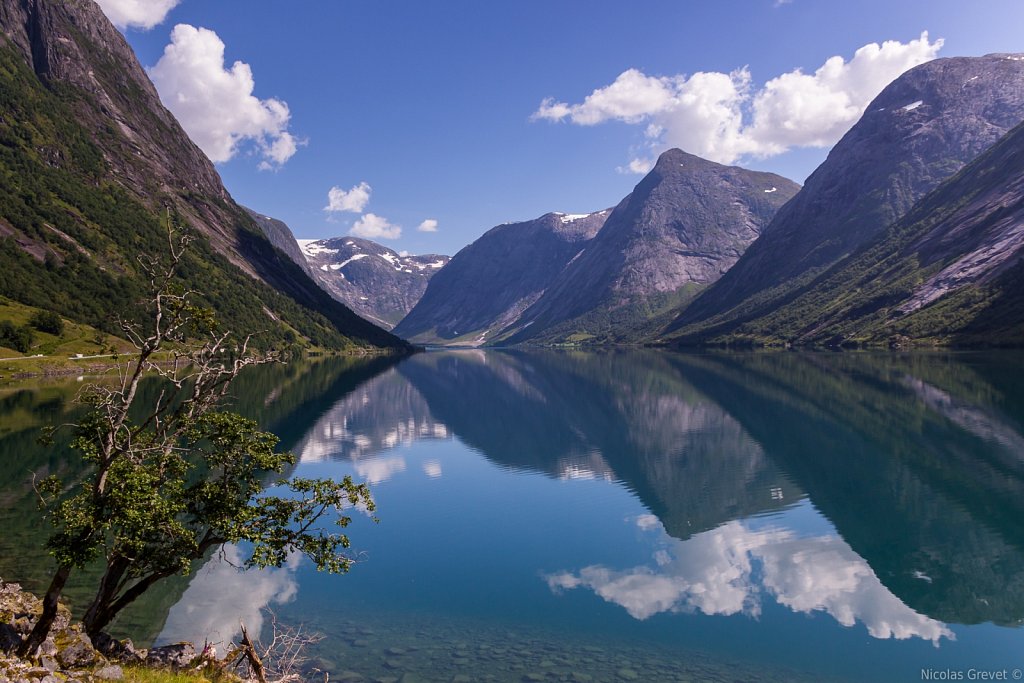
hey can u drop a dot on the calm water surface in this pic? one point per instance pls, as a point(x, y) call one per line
point(630, 516)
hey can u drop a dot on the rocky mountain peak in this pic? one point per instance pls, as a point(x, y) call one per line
point(685, 223)
point(489, 283)
point(921, 129)
point(376, 282)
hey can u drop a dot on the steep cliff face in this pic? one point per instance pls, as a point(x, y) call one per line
point(489, 283)
point(922, 129)
point(950, 271)
point(72, 43)
point(376, 282)
point(92, 158)
point(281, 236)
point(680, 229)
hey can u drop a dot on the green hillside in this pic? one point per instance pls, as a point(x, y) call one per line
point(71, 233)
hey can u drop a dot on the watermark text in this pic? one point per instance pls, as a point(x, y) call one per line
point(971, 674)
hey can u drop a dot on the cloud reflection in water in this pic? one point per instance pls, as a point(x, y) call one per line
point(729, 569)
point(222, 595)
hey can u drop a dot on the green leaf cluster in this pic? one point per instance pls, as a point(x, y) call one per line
point(17, 337)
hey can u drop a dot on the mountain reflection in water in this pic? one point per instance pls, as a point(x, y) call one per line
point(880, 490)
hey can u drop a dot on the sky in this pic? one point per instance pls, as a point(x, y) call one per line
point(421, 125)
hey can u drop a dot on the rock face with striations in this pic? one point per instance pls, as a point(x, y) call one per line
point(489, 283)
point(922, 128)
point(72, 42)
point(281, 236)
point(682, 226)
point(374, 281)
point(950, 271)
point(99, 162)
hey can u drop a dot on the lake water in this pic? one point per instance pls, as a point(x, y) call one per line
point(628, 515)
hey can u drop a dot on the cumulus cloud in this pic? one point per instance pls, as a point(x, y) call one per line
point(638, 165)
point(429, 225)
point(216, 105)
point(355, 200)
point(722, 117)
point(371, 226)
point(143, 14)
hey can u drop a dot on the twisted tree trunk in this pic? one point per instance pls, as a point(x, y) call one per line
point(51, 601)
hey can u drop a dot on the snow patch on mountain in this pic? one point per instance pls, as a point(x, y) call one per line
point(314, 248)
point(354, 257)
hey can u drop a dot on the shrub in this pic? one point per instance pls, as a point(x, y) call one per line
point(49, 322)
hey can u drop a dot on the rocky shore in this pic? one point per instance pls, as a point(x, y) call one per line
point(69, 654)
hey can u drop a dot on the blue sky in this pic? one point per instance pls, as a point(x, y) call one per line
point(471, 113)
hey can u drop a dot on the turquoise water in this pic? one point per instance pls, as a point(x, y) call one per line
point(642, 515)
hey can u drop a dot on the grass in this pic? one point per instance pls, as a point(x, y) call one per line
point(139, 674)
point(50, 354)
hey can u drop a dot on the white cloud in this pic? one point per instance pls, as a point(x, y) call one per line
point(355, 200)
point(432, 468)
point(640, 166)
point(215, 105)
point(429, 225)
point(143, 14)
point(371, 226)
point(722, 117)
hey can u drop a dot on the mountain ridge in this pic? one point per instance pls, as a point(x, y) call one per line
point(373, 280)
point(488, 283)
point(949, 271)
point(92, 158)
point(921, 129)
point(685, 223)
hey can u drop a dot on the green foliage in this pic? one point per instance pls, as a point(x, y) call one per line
point(173, 476)
point(47, 321)
point(71, 230)
point(166, 506)
point(17, 337)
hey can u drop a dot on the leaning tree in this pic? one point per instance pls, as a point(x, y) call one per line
point(173, 479)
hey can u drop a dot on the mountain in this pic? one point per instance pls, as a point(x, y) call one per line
point(488, 284)
point(374, 281)
point(950, 271)
point(920, 130)
point(282, 237)
point(94, 167)
point(682, 226)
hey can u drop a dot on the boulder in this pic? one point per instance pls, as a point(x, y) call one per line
point(178, 655)
point(110, 672)
point(75, 651)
